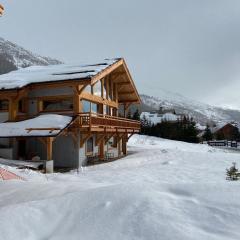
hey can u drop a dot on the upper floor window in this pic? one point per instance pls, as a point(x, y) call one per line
point(88, 89)
point(94, 107)
point(89, 106)
point(110, 90)
point(105, 89)
point(97, 89)
point(86, 106)
point(57, 105)
point(4, 105)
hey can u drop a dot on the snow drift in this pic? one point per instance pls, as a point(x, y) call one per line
point(162, 190)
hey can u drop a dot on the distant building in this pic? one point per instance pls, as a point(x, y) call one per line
point(227, 131)
point(156, 117)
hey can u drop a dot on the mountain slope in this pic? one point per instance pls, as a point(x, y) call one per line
point(13, 57)
point(201, 112)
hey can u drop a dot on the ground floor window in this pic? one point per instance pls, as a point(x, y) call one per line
point(4, 105)
point(89, 146)
point(57, 104)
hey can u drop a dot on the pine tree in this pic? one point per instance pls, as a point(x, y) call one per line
point(136, 115)
point(232, 173)
point(145, 126)
point(207, 136)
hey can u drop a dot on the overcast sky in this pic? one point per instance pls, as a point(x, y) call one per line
point(187, 46)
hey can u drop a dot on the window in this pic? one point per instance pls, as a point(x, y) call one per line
point(22, 106)
point(88, 89)
point(110, 90)
point(86, 106)
point(58, 105)
point(104, 109)
point(94, 107)
point(104, 89)
point(4, 105)
point(97, 89)
point(114, 92)
point(89, 106)
point(89, 146)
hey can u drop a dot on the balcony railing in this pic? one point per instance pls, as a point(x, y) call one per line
point(93, 120)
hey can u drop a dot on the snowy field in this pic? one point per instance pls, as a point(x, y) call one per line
point(162, 190)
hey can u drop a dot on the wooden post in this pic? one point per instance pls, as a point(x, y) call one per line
point(124, 145)
point(49, 148)
point(49, 162)
point(119, 143)
point(13, 107)
point(101, 150)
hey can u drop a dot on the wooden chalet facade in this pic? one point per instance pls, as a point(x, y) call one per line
point(68, 114)
point(228, 131)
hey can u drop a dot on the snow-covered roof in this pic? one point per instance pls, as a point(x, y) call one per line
point(155, 118)
point(221, 125)
point(43, 125)
point(37, 74)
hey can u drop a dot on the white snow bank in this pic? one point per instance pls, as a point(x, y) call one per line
point(16, 129)
point(162, 190)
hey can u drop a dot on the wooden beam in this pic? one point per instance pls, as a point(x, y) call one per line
point(125, 93)
point(74, 136)
point(84, 138)
point(107, 71)
point(77, 98)
point(59, 84)
point(132, 82)
point(128, 137)
point(99, 138)
point(43, 129)
point(97, 99)
point(101, 150)
point(123, 83)
point(109, 136)
point(13, 109)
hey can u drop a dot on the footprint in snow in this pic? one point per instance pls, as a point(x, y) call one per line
point(164, 151)
point(166, 163)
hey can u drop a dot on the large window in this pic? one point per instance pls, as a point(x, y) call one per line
point(88, 89)
point(86, 106)
point(104, 89)
point(4, 105)
point(94, 107)
point(110, 90)
point(57, 105)
point(89, 146)
point(89, 106)
point(97, 89)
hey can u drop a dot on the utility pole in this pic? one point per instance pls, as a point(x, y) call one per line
point(1, 10)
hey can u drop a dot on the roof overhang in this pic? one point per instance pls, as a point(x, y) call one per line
point(119, 72)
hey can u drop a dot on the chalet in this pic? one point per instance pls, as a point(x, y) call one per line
point(226, 131)
point(67, 114)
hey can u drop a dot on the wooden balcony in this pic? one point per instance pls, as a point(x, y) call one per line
point(99, 122)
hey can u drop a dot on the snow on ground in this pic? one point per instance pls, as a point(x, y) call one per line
point(162, 190)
